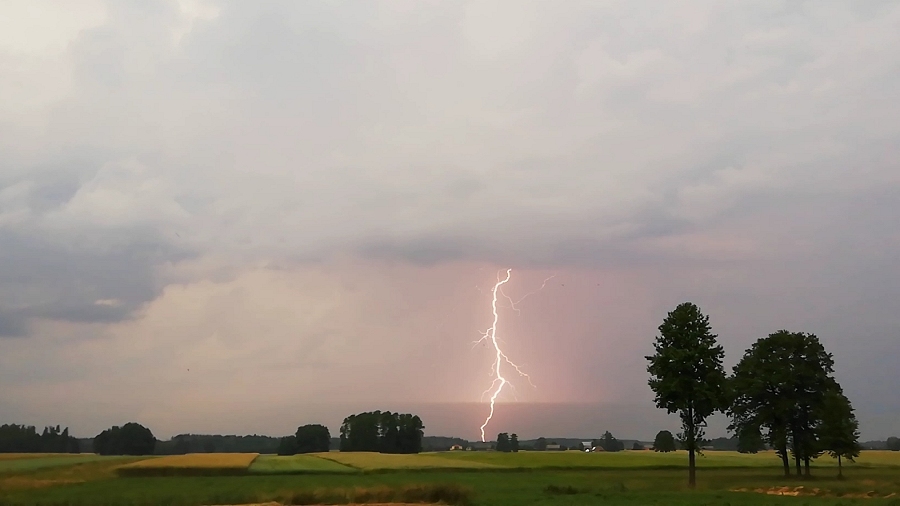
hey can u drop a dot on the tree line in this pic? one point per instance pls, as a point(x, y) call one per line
point(782, 392)
point(26, 439)
point(384, 432)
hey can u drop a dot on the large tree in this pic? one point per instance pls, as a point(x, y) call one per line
point(312, 438)
point(839, 430)
point(503, 444)
point(778, 387)
point(687, 376)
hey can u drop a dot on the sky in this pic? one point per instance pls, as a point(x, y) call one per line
point(241, 217)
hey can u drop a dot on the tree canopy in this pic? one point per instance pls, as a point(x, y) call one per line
point(664, 442)
point(129, 439)
point(779, 387)
point(384, 432)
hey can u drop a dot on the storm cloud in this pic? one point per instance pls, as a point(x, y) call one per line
point(317, 195)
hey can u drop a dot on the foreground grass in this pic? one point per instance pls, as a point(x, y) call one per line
point(296, 464)
point(523, 487)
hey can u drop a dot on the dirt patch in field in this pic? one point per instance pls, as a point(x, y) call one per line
point(812, 492)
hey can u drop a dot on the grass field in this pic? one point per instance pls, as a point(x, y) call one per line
point(526, 478)
point(649, 459)
point(296, 464)
point(45, 461)
point(381, 461)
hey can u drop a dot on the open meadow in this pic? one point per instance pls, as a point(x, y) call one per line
point(476, 478)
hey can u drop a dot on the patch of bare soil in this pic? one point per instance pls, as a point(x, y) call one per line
point(803, 491)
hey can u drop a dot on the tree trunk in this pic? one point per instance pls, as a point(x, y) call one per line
point(796, 443)
point(806, 467)
point(692, 470)
point(784, 458)
point(840, 470)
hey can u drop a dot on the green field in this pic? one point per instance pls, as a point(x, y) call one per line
point(296, 464)
point(53, 460)
point(650, 460)
point(368, 461)
point(486, 478)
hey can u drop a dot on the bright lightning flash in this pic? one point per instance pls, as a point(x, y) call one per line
point(491, 335)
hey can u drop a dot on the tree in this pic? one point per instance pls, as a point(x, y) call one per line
point(129, 439)
point(611, 444)
point(540, 444)
point(779, 386)
point(839, 430)
point(514, 443)
point(664, 442)
point(312, 438)
point(687, 376)
point(893, 444)
point(503, 442)
point(637, 446)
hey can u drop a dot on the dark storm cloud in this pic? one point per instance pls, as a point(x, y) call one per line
point(79, 282)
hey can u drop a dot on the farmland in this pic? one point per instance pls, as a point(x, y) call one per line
point(544, 478)
point(195, 464)
point(296, 464)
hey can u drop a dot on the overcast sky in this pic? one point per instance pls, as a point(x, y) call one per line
point(246, 216)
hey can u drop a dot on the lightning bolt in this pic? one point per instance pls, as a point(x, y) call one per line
point(491, 335)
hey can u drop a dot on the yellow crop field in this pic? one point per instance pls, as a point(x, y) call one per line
point(191, 464)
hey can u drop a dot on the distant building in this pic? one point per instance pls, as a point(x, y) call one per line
point(587, 445)
point(553, 447)
point(456, 448)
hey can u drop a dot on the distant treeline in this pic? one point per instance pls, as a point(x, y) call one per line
point(25, 439)
point(208, 443)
